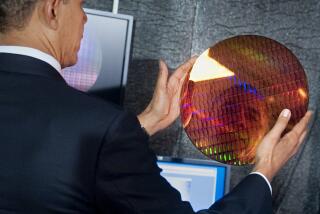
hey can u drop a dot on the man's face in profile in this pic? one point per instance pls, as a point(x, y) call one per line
point(72, 19)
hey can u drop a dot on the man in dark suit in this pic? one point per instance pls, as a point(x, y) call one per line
point(62, 151)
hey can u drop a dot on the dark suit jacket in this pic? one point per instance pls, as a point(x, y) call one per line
point(62, 151)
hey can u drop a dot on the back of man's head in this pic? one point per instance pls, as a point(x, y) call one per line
point(15, 14)
point(52, 26)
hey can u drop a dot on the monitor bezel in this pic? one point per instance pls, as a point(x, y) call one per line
point(128, 43)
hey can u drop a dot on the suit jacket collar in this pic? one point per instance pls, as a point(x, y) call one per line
point(35, 53)
point(27, 65)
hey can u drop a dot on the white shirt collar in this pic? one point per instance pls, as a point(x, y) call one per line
point(26, 51)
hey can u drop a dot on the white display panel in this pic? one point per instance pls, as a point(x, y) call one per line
point(200, 183)
point(103, 58)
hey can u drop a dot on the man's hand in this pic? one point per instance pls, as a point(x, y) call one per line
point(274, 151)
point(164, 107)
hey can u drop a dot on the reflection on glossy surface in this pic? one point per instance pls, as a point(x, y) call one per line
point(234, 94)
point(202, 69)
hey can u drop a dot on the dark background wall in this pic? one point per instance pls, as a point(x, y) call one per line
point(174, 30)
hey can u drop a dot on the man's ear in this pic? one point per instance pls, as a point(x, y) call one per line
point(49, 11)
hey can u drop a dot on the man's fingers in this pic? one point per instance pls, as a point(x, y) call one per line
point(183, 69)
point(300, 127)
point(177, 78)
point(285, 148)
point(311, 116)
point(303, 136)
point(296, 136)
point(163, 74)
point(281, 124)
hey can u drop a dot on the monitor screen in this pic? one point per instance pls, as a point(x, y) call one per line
point(103, 58)
point(200, 182)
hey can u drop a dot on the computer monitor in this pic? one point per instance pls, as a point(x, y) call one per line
point(201, 182)
point(103, 58)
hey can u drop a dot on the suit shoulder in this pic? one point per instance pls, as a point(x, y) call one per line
point(68, 103)
point(84, 100)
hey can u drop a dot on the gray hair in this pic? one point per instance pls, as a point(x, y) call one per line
point(15, 14)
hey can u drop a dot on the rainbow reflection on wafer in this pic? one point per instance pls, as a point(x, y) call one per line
point(235, 92)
